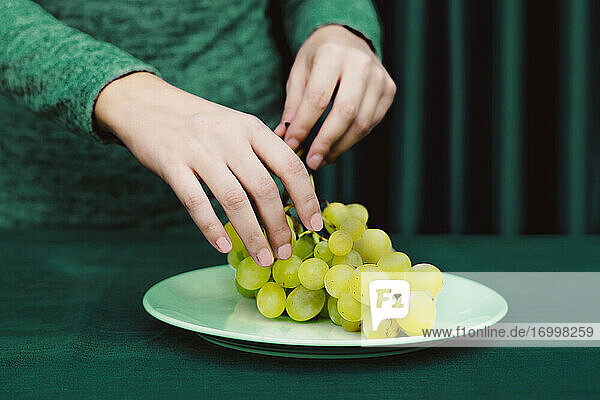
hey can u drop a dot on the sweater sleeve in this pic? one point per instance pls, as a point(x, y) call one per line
point(55, 70)
point(302, 17)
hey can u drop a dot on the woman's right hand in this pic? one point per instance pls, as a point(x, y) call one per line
point(183, 138)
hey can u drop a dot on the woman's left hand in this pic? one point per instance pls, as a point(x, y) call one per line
point(332, 56)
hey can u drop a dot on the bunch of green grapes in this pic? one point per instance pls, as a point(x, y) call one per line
point(324, 276)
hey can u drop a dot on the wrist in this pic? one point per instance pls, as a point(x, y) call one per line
point(343, 33)
point(118, 101)
point(360, 35)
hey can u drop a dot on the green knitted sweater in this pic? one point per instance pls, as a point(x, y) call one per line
point(57, 55)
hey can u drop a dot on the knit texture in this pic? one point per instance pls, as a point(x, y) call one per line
point(56, 56)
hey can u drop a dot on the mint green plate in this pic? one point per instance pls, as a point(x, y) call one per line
point(206, 301)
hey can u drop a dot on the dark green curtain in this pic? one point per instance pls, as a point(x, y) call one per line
point(495, 124)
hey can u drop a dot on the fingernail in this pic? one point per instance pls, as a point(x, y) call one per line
point(316, 222)
point(293, 143)
point(287, 124)
point(315, 161)
point(284, 252)
point(265, 258)
point(224, 245)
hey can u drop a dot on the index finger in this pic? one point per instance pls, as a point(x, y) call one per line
point(321, 84)
point(293, 97)
point(284, 163)
point(348, 102)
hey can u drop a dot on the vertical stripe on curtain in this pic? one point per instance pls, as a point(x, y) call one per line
point(575, 97)
point(494, 128)
point(406, 144)
point(509, 116)
point(457, 113)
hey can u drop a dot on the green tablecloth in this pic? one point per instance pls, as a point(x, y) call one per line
point(73, 326)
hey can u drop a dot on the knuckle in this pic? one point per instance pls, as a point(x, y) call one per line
point(266, 189)
point(254, 123)
point(324, 144)
point(193, 202)
point(282, 233)
point(310, 202)
point(362, 59)
point(294, 166)
point(168, 167)
point(255, 240)
point(380, 76)
point(362, 124)
point(234, 200)
point(349, 109)
point(209, 227)
point(317, 98)
point(391, 86)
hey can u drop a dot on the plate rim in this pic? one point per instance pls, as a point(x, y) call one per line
point(242, 346)
point(308, 342)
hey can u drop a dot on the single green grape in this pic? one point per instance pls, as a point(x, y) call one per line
point(352, 258)
point(335, 213)
point(304, 247)
point(421, 314)
point(270, 300)
point(361, 278)
point(340, 243)
point(358, 211)
point(348, 307)
point(250, 275)
point(245, 292)
point(303, 304)
point(234, 258)
point(425, 277)
point(351, 326)
point(334, 314)
point(372, 245)
point(354, 227)
point(285, 272)
point(322, 251)
point(329, 227)
point(312, 273)
point(337, 279)
point(395, 264)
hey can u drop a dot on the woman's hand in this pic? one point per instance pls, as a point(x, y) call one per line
point(183, 139)
point(333, 55)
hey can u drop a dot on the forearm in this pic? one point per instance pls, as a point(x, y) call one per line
point(54, 69)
